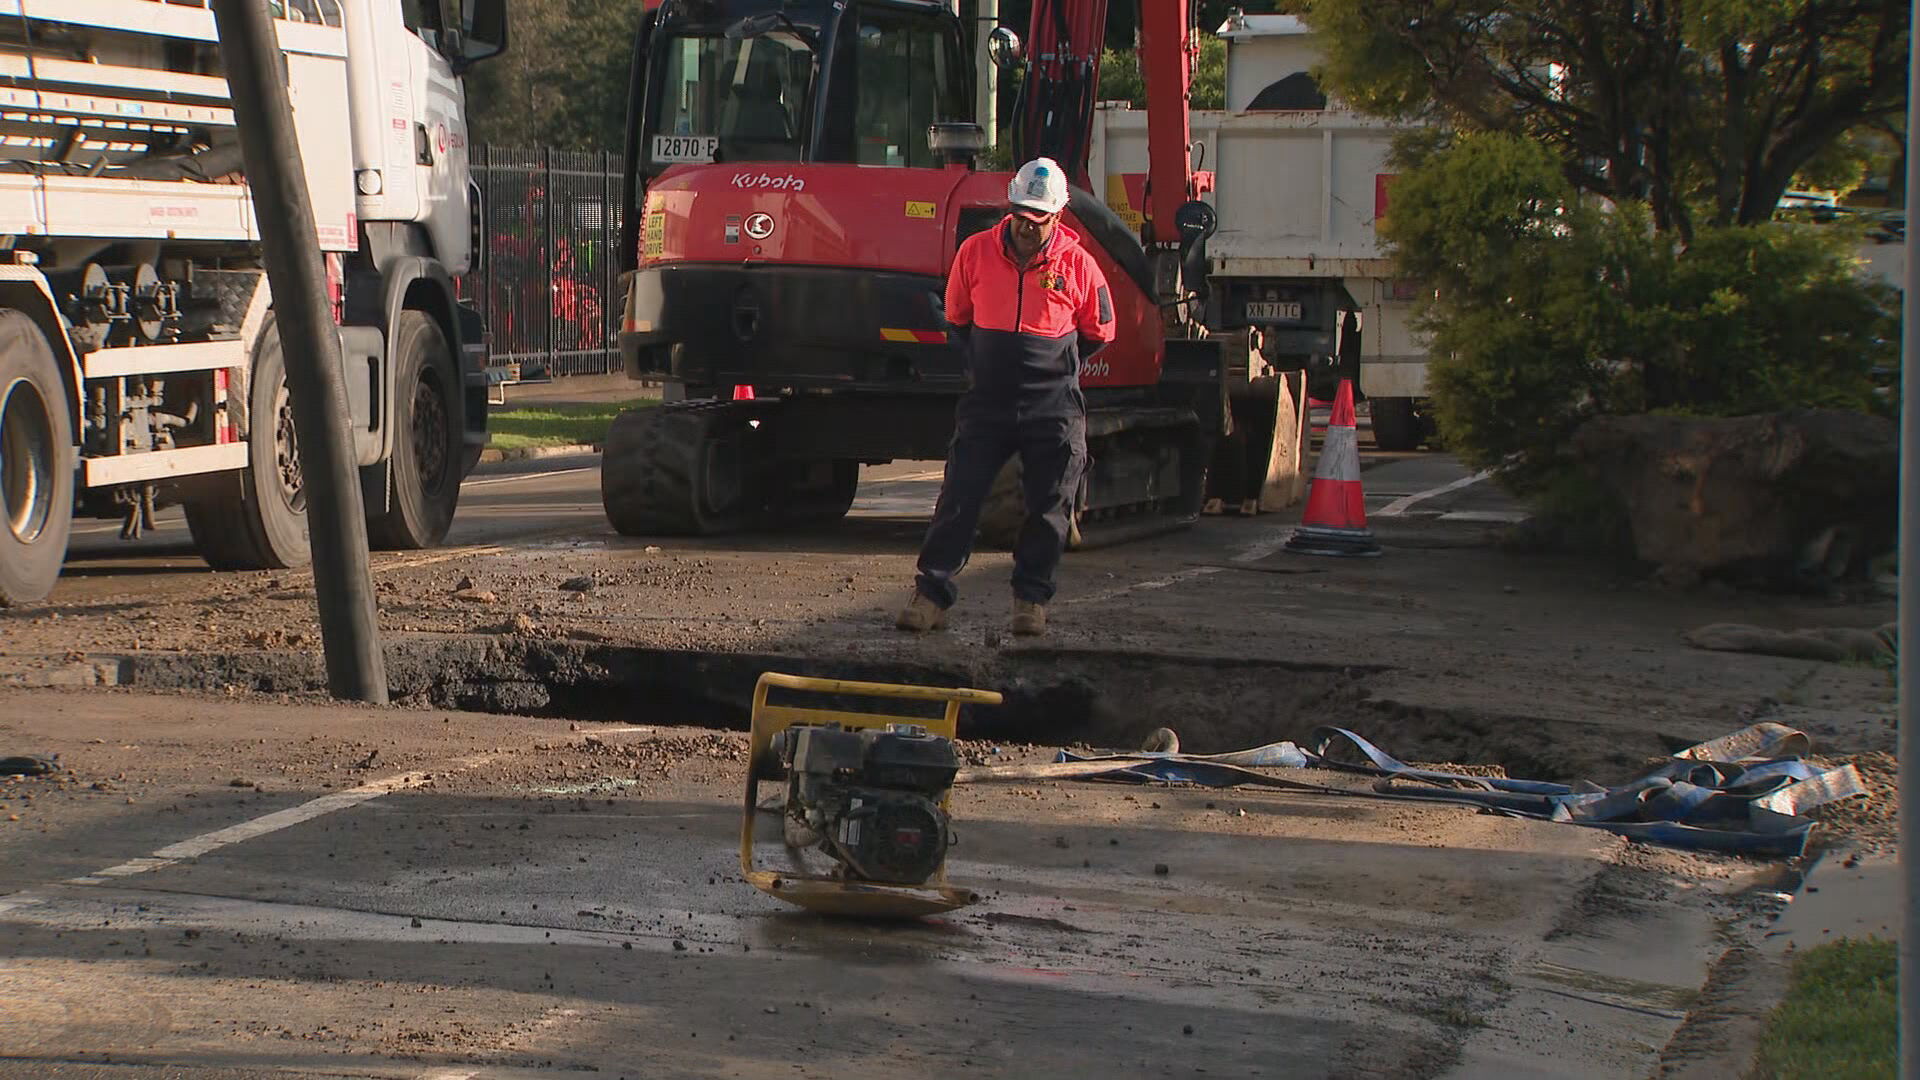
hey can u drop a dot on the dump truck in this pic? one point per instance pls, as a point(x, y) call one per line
point(1300, 184)
point(139, 362)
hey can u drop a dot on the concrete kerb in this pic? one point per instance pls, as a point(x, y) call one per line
point(491, 456)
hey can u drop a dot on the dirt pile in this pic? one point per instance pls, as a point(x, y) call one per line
point(1866, 825)
point(1790, 498)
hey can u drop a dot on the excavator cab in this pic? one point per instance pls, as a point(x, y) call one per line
point(857, 82)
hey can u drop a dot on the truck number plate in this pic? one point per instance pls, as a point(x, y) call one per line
point(685, 149)
point(1281, 310)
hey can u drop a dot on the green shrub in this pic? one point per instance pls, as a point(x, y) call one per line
point(1547, 308)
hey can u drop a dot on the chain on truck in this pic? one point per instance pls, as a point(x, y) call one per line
point(139, 363)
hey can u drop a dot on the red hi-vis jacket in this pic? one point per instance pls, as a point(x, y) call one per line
point(1026, 331)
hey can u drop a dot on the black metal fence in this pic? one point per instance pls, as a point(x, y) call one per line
point(549, 287)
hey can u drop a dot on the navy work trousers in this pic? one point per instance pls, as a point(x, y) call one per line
point(1053, 454)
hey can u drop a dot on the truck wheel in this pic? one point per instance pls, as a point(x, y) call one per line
point(1395, 426)
point(36, 463)
point(264, 525)
point(426, 439)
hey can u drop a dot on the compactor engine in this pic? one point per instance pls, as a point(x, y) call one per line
point(869, 799)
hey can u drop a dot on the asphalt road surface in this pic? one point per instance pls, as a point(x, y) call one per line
point(561, 496)
point(242, 882)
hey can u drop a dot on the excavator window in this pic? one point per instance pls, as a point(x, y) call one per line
point(740, 100)
point(904, 73)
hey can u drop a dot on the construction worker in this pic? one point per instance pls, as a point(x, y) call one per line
point(1028, 306)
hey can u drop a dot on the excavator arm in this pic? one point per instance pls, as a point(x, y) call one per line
point(1055, 119)
point(1062, 85)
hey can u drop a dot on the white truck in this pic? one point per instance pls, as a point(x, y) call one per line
point(1299, 183)
point(139, 365)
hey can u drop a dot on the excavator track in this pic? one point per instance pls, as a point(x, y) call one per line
point(1146, 475)
point(706, 467)
point(678, 469)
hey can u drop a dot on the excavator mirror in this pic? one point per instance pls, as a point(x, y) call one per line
point(956, 143)
point(1004, 48)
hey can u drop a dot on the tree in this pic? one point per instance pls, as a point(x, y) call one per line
point(1546, 308)
point(1120, 78)
point(563, 81)
point(1705, 110)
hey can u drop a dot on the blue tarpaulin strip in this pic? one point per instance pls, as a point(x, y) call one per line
point(1323, 737)
point(1685, 803)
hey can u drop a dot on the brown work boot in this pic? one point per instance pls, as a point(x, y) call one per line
point(1029, 619)
point(921, 615)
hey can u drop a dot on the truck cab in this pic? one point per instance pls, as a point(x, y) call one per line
point(139, 361)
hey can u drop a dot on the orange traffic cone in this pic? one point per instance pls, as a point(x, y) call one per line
point(1335, 522)
point(743, 393)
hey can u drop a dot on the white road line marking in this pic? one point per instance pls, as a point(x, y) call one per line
point(280, 819)
point(909, 478)
point(527, 476)
point(1399, 506)
point(1174, 578)
point(247, 830)
point(1247, 553)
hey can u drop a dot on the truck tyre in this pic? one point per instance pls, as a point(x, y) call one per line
point(36, 463)
point(426, 466)
point(1395, 426)
point(264, 525)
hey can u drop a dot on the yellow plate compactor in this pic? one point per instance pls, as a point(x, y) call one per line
point(867, 792)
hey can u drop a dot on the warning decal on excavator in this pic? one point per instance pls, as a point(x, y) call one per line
point(1126, 196)
point(654, 236)
point(919, 209)
point(916, 337)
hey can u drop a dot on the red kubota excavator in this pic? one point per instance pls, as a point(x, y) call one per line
point(799, 176)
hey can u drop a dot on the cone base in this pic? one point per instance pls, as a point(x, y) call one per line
point(1342, 543)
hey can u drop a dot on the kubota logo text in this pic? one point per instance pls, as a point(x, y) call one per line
point(768, 182)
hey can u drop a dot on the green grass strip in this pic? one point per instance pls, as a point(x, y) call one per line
point(1838, 1021)
point(555, 424)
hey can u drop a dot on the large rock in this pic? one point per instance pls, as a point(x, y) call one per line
point(1785, 498)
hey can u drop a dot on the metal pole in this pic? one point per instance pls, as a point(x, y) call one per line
point(336, 520)
point(1909, 620)
point(604, 262)
point(546, 236)
point(986, 99)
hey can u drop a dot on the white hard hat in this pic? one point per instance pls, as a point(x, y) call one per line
point(1040, 186)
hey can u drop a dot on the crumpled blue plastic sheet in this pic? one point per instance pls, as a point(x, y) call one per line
point(1748, 805)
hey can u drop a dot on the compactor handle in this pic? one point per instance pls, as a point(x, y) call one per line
point(956, 695)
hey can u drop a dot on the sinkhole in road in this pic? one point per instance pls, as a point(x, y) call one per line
point(1054, 696)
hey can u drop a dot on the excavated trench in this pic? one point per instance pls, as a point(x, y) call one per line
point(1053, 696)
